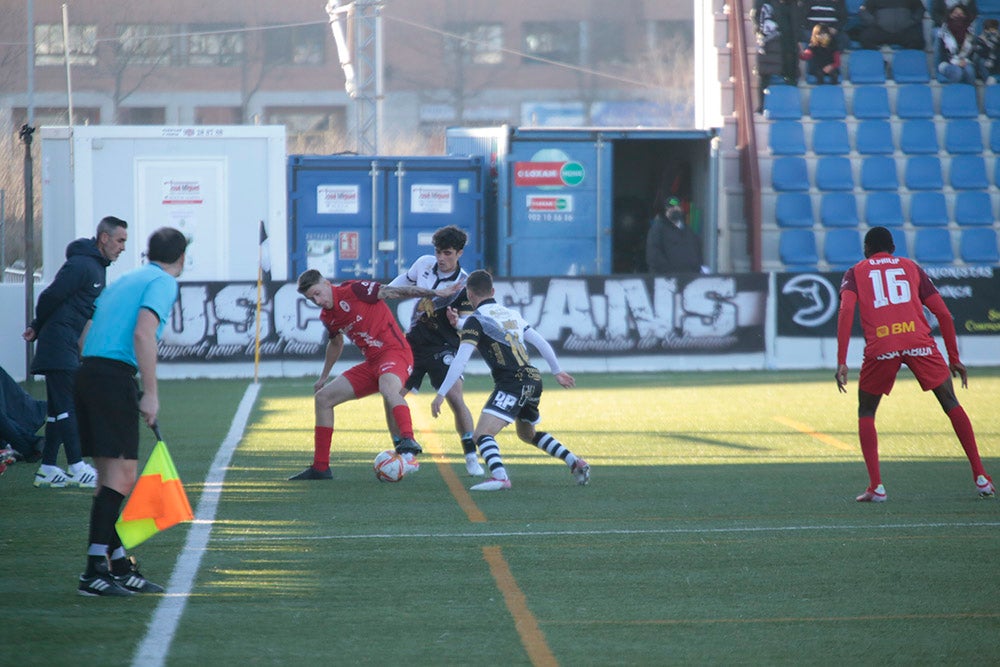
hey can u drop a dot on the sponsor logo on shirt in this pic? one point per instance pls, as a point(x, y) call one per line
point(895, 329)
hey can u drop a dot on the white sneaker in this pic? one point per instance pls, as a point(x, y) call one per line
point(581, 471)
point(984, 485)
point(81, 474)
point(492, 484)
point(472, 465)
point(876, 495)
point(50, 477)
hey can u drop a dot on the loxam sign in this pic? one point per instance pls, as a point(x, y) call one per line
point(547, 174)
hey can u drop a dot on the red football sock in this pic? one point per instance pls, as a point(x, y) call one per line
point(868, 436)
point(322, 437)
point(963, 429)
point(401, 413)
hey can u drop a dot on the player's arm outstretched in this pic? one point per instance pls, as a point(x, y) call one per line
point(411, 291)
point(845, 322)
point(936, 305)
point(562, 377)
point(334, 348)
point(454, 373)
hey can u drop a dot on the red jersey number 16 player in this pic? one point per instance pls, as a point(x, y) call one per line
point(890, 293)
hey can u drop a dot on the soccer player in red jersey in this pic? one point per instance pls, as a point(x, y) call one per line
point(357, 309)
point(890, 293)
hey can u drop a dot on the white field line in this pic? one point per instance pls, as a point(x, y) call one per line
point(612, 531)
point(153, 650)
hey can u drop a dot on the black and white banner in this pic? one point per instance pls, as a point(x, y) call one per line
point(585, 316)
point(808, 302)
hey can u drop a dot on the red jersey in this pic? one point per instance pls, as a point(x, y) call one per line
point(891, 292)
point(365, 319)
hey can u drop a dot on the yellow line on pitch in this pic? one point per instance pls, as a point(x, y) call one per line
point(432, 444)
point(524, 621)
point(809, 430)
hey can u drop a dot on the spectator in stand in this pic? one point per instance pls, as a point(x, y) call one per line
point(941, 8)
point(829, 13)
point(821, 56)
point(776, 24)
point(671, 245)
point(986, 53)
point(892, 22)
point(955, 42)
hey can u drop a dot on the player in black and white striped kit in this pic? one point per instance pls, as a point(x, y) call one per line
point(433, 337)
point(500, 335)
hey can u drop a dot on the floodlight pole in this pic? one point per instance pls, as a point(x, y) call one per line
point(359, 49)
point(29, 241)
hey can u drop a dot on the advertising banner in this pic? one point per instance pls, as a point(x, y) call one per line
point(596, 316)
point(808, 302)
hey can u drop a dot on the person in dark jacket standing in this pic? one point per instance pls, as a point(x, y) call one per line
point(63, 309)
point(671, 246)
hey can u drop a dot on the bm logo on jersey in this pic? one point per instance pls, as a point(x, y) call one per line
point(895, 328)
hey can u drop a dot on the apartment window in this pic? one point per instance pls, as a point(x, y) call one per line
point(215, 44)
point(57, 116)
point(552, 40)
point(307, 119)
point(49, 44)
point(145, 43)
point(605, 42)
point(300, 45)
point(217, 116)
point(142, 115)
point(478, 43)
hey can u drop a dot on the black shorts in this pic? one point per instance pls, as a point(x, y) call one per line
point(516, 399)
point(107, 408)
point(435, 364)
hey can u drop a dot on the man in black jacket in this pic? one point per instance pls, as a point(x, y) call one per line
point(672, 246)
point(61, 313)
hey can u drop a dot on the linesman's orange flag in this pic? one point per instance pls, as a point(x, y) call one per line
point(158, 500)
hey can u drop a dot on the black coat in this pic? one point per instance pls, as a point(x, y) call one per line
point(65, 306)
point(672, 249)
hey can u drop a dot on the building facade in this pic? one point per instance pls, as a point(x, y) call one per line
point(442, 63)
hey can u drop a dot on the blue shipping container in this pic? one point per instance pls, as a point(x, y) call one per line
point(355, 216)
point(577, 201)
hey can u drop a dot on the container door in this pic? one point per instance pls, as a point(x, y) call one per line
point(426, 194)
point(334, 216)
point(559, 208)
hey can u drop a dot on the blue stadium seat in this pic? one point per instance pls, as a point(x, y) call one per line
point(842, 248)
point(789, 174)
point(871, 103)
point(918, 137)
point(834, 173)
point(787, 137)
point(829, 137)
point(991, 100)
point(797, 249)
point(883, 209)
point(968, 172)
point(878, 172)
point(910, 66)
point(838, 209)
point(979, 246)
point(865, 66)
point(874, 137)
point(899, 238)
point(928, 209)
point(995, 135)
point(923, 172)
point(914, 101)
point(963, 136)
point(794, 209)
point(932, 246)
point(958, 100)
point(827, 103)
point(782, 103)
point(996, 173)
point(973, 208)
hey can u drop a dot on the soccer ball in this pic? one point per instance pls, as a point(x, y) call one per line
point(389, 466)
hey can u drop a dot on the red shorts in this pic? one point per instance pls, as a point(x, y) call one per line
point(878, 374)
point(364, 377)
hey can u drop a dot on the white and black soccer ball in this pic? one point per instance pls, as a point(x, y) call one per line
point(389, 466)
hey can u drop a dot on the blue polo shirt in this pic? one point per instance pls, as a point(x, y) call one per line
point(117, 311)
